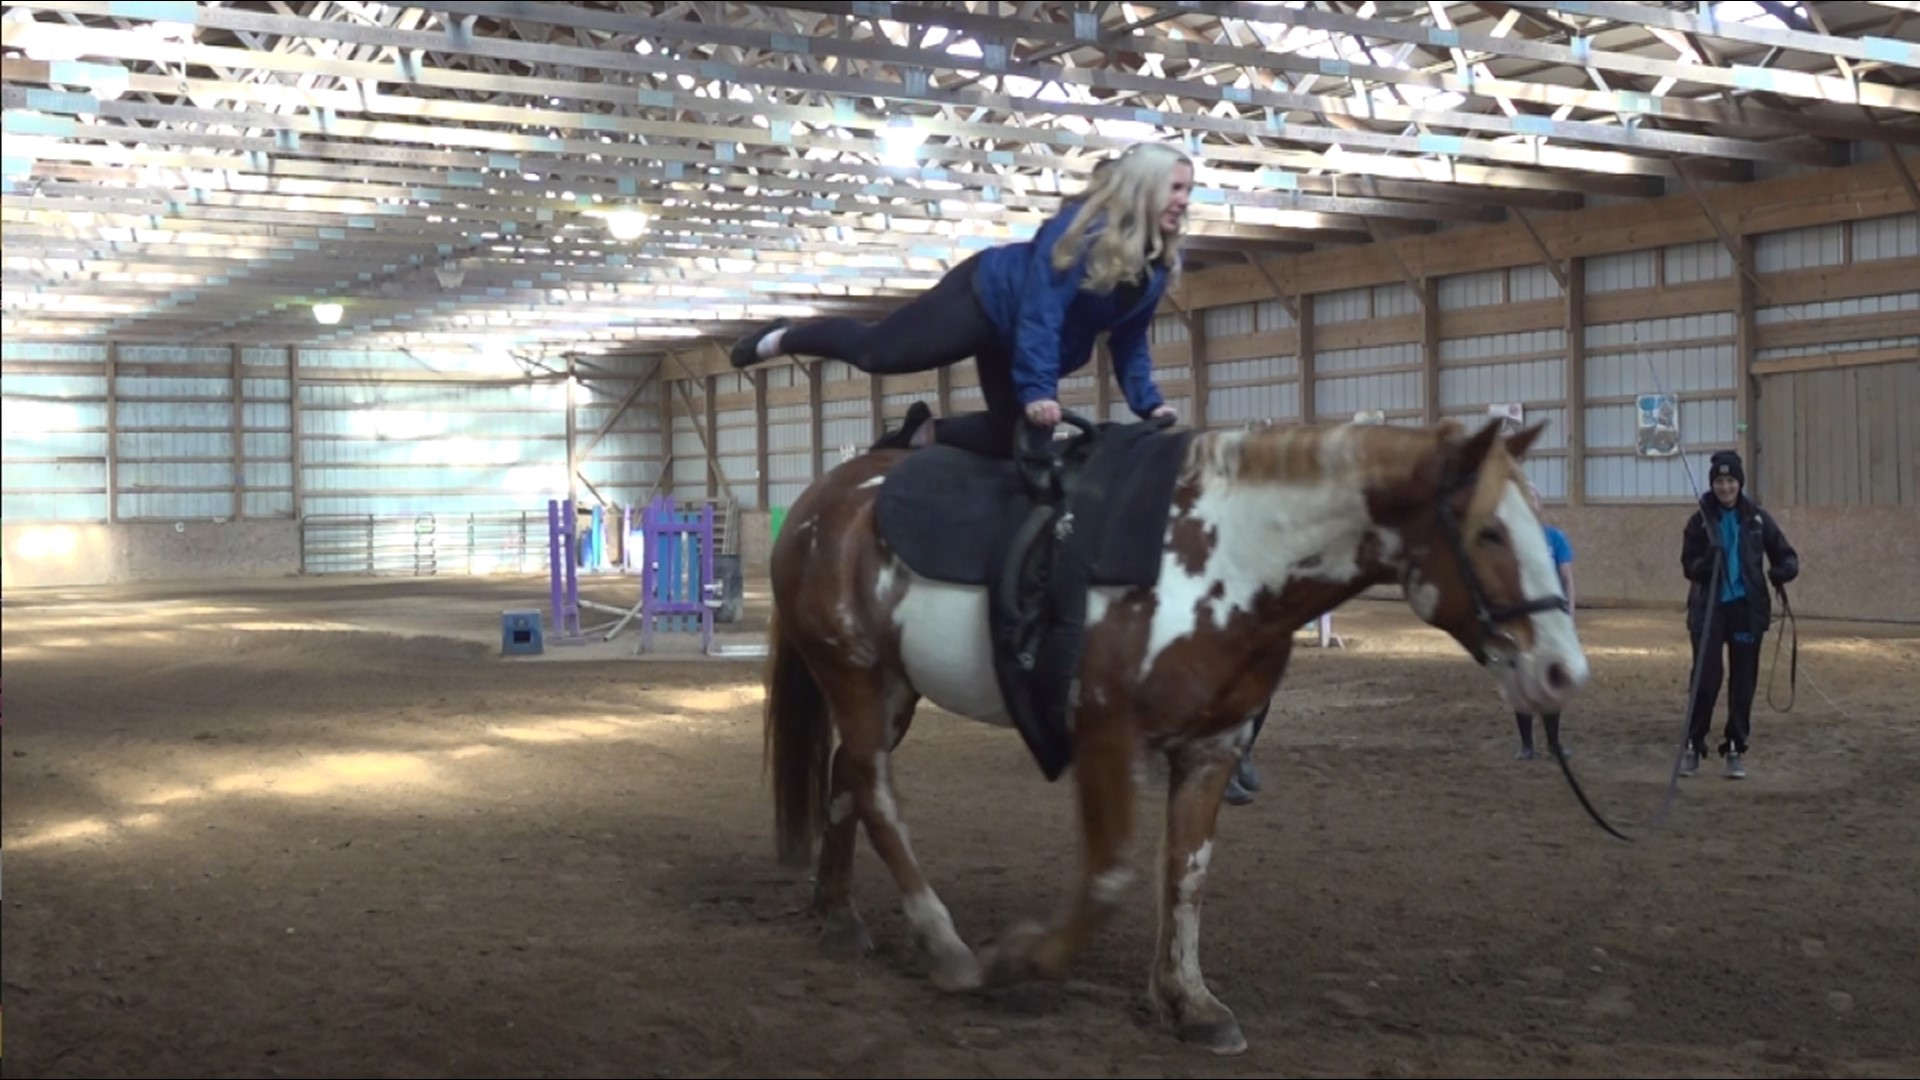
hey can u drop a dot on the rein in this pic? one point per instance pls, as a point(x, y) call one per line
point(1686, 717)
point(1693, 690)
point(1792, 626)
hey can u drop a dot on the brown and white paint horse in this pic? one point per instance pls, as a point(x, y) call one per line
point(1268, 530)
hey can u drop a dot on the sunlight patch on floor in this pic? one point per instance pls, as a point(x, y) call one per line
point(558, 731)
point(166, 796)
point(275, 627)
point(87, 828)
point(241, 772)
point(323, 774)
point(474, 751)
point(331, 772)
point(90, 830)
point(724, 699)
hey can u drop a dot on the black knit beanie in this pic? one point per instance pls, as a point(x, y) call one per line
point(1726, 463)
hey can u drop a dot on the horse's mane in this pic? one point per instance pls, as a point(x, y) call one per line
point(1369, 457)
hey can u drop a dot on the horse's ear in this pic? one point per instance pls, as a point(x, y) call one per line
point(1473, 453)
point(1521, 441)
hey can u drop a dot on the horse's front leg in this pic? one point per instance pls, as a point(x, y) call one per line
point(1104, 763)
point(1199, 775)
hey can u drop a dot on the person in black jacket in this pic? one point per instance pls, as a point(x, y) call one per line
point(1728, 603)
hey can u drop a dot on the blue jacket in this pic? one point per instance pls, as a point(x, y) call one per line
point(1049, 324)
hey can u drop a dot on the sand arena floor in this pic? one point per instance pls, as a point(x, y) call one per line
point(321, 828)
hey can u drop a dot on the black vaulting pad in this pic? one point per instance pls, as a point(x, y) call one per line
point(943, 510)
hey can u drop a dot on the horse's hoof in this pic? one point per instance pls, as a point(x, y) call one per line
point(1010, 959)
point(957, 972)
point(1220, 1036)
point(845, 936)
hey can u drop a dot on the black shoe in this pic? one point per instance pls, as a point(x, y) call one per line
point(902, 438)
point(1236, 793)
point(746, 351)
point(1248, 774)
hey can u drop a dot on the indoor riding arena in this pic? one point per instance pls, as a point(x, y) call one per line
point(390, 532)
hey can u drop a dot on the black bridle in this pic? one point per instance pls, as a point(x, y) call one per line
point(1487, 617)
point(1487, 630)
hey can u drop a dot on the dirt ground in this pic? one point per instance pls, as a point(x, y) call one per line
point(322, 828)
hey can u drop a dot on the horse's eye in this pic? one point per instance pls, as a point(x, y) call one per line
point(1491, 535)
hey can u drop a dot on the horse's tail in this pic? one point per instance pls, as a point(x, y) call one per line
point(798, 748)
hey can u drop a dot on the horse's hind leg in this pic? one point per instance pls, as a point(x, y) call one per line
point(842, 929)
point(1199, 777)
point(864, 760)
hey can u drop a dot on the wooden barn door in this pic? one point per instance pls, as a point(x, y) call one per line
point(1833, 435)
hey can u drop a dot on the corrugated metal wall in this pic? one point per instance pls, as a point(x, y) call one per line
point(386, 440)
point(1693, 357)
point(445, 462)
point(448, 449)
point(267, 431)
point(1253, 370)
point(55, 444)
point(1525, 367)
point(175, 439)
point(1169, 338)
point(200, 432)
point(1367, 344)
point(790, 450)
point(625, 462)
point(736, 437)
point(1367, 354)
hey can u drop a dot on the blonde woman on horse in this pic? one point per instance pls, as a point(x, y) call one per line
point(1028, 312)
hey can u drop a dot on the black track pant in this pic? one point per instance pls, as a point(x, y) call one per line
point(1259, 721)
point(1524, 722)
point(1730, 627)
point(941, 326)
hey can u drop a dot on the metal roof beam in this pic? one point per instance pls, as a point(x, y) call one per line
point(1449, 171)
point(912, 88)
point(939, 59)
point(1581, 54)
point(1419, 33)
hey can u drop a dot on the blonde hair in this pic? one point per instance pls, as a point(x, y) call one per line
point(1131, 191)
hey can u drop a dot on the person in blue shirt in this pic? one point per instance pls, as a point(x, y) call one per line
point(1724, 541)
point(1028, 312)
point(1562, 550)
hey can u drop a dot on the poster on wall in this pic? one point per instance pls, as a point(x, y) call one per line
point(1511, 416)
point(1659, 428)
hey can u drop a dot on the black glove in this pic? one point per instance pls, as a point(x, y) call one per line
point(1774, 575)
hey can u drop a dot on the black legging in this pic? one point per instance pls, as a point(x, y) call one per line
point(941, 326)
point(1733, 631)
point(1259, 721)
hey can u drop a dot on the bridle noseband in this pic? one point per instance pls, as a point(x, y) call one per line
point(1486, 616)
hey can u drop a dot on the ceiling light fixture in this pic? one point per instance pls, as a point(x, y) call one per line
point(627, 224)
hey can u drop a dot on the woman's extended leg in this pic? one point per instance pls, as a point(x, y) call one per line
point(941, 326)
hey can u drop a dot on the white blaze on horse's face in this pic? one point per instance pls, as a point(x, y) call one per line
point(1545, 678)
